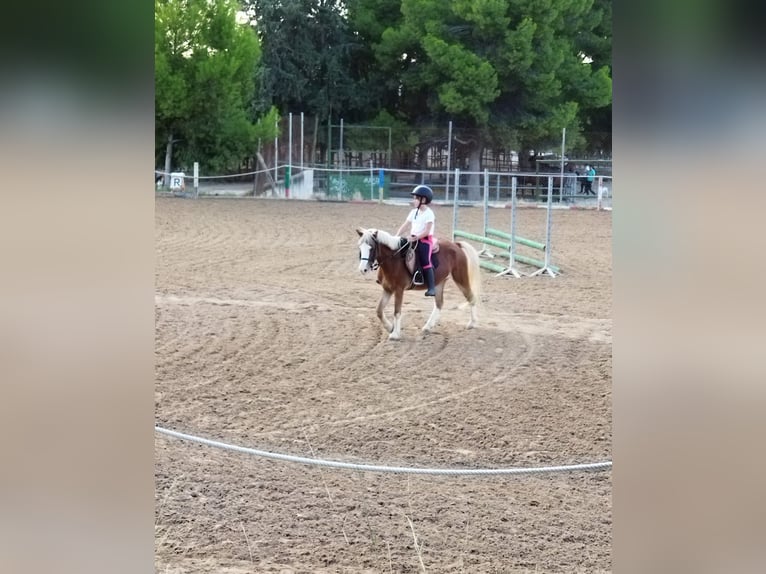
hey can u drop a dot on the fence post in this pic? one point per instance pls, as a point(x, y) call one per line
point(372, 181)
point(600, 192)
point(381, 184)
point(454, 202)
point(449, 156)
point(289, 156)
point(276, 155)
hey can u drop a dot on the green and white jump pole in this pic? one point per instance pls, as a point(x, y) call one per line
point(508, 248)
point(457, 233)
point(511, 238)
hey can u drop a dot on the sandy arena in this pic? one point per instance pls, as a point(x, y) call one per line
point(266, 337)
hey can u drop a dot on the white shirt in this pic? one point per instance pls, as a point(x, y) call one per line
point(420, 222)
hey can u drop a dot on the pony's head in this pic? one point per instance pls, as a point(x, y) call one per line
point(369, 240)
point(367, 249)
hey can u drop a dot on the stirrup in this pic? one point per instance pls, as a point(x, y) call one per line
point(417, 278)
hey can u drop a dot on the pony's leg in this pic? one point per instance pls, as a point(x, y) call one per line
point(472, 301)
point(433, 320)
point(396, 333)
point(474, 318)
point(384, 299)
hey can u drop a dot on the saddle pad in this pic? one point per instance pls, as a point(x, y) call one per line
point(409, 260)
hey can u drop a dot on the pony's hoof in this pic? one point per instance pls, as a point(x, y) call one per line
point(471, 325)
point(394, 337)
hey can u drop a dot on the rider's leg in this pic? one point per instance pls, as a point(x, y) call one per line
point(424, 255)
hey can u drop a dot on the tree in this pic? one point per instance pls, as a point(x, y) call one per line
point(596, 44)
point(307, 49)
point(368, 20)
point(205, 64)
point(509, 71)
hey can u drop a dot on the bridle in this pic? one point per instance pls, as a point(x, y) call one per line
point(372, 256)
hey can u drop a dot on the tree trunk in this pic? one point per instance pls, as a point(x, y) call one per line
point(526, 165)
point(256, 168)
point(267, 171)
point(168, 161)
point(475, 192)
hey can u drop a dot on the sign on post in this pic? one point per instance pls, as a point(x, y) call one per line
point(177, 181)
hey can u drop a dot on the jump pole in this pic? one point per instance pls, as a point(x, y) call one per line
point(496, 232)
point(523, 241)
point(512, 239)
point(484, 250)
point(505, 247)
point(547, 268)
point(499, 269)
point(455, 200)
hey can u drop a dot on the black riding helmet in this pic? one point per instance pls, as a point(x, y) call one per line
point(423, 191)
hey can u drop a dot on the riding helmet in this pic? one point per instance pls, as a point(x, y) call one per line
point(423, 191)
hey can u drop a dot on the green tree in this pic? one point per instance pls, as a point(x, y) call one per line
point(596, 44)
point(308, 61)
point(205, 65)
point(307, 55)
point(511, 72)
point(368, 20)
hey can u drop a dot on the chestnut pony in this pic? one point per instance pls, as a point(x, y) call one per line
point(381, 250)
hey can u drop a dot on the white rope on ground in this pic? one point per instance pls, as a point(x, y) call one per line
point(393, 469)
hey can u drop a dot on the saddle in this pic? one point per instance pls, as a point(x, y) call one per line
point(411, 260)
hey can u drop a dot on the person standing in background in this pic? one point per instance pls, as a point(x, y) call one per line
point(590, 175)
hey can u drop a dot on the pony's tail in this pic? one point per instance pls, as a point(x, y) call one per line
point(474, 271)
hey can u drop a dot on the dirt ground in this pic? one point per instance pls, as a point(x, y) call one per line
point(266, 337)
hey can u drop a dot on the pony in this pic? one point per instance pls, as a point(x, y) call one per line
point(380, 250)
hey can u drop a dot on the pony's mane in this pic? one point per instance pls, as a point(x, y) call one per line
point(390, 241)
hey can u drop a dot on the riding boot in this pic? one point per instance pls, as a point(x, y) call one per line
point(429, 275)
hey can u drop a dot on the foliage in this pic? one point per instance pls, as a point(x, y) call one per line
point(520, 64)
point(403, 137)
point(508, 73)
point(307, 55)
point(205, 66)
